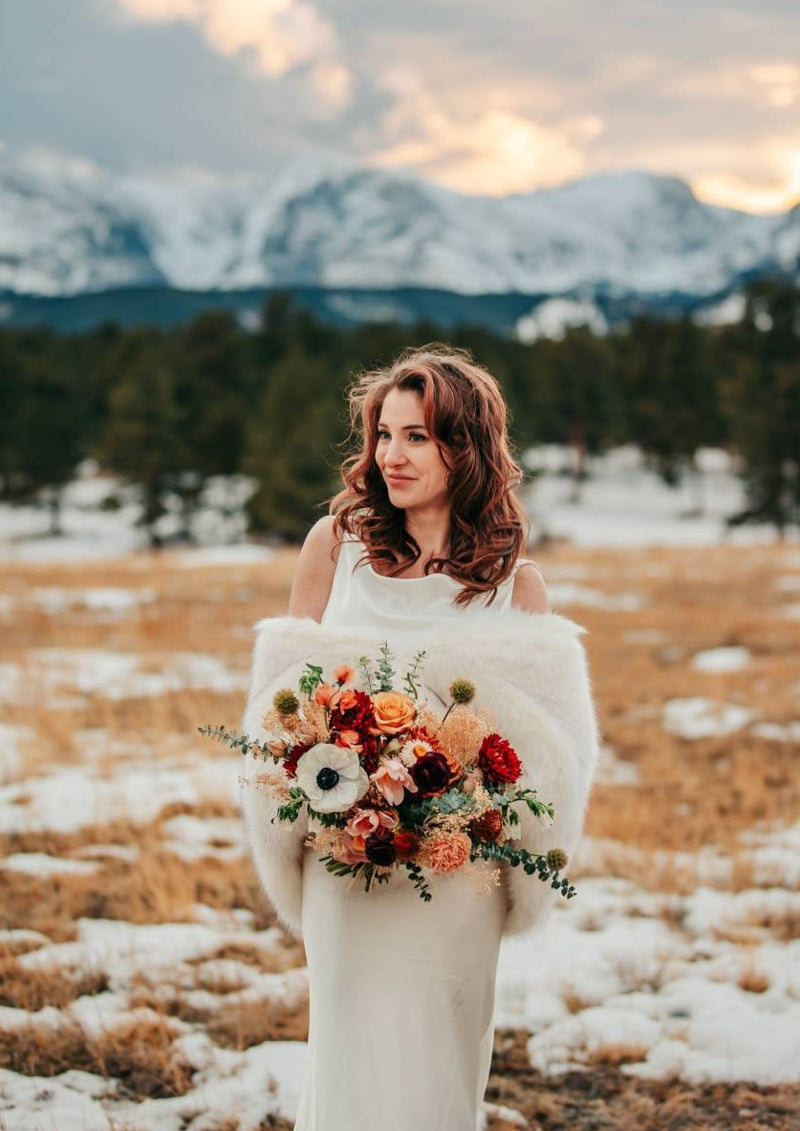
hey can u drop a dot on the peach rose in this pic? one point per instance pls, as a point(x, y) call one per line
point(448, 853)
point(394, 712)
point(389, 818)
point(362, 823)
point(392, 779)
point(343, 674)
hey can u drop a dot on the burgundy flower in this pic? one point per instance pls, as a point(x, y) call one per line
point(293, 755)
point(431, 774)
point(379, 848)
point(498, 760)
point(353, 711)
point(370, 754)
point(487, 826)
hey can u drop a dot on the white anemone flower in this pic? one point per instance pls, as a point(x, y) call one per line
point(332, 777)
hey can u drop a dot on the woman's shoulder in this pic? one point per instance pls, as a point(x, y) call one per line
point(316, 565)
point(529, 590)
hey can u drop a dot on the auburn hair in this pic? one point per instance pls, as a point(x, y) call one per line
point(466, 416)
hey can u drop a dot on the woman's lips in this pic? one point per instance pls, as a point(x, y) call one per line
point(398, 479)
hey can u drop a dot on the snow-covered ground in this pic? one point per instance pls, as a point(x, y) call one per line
point(696, 985)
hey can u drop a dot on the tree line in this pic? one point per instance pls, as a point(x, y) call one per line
point(167, 410)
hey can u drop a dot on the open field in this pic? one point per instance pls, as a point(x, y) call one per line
point(143, 983)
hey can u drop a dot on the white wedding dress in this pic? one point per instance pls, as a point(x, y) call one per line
point(401, 991)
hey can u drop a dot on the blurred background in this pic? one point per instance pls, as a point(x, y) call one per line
point(213, 214)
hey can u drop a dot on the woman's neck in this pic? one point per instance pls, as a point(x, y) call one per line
point(431, 532)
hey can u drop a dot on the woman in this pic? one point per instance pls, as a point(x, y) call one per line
point(421, 549)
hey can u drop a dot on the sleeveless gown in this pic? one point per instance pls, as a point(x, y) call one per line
point(401, 991)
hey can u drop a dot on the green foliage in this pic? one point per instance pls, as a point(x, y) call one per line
point(417, 877)
point(237, 741)
point(413, 675)
point(762, 399)
point(290, 810)
point(378, 672)
point(289, 447)
point(531, 863)
point(166, 410)
point(368, 872)
point(310, 680)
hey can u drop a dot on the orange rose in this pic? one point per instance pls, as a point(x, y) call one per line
point(394, 712)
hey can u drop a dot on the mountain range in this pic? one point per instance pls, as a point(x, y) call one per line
point(604, 243)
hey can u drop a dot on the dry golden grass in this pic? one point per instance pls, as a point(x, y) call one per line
point(156, 887)
point(234, 1023)
point(23, 987)
point(605, 1099)
point(689, 794)
point(139, 1055)
point(753, 980)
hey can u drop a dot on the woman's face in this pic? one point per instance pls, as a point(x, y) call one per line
point(407, 456)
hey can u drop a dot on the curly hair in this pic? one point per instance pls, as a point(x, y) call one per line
point(466, 415)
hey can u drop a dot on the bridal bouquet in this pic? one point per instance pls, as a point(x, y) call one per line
point(389, 783)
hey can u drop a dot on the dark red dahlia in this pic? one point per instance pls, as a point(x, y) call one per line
point(371, 751)
point(353, 711)
point(379, 848)
point(488, 826)
point(431, 774)
point(498, 760)
point(293, 755)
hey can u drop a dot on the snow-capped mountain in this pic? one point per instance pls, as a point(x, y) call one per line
point(68, 228)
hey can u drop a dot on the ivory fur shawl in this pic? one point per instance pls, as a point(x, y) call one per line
point(529, 671)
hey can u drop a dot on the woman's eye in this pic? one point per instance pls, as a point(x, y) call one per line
point(417, 436)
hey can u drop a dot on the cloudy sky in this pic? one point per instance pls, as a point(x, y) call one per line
point(484, 96)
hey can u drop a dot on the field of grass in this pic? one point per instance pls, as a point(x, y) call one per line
point(142, 977)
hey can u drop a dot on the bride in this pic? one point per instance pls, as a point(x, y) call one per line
point(421, 549)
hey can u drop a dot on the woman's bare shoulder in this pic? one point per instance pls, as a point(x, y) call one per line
point(529, 592)
point(313, 575)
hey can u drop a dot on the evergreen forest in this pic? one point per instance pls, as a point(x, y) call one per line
point(168, 410)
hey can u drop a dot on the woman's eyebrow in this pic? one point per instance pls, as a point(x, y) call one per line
point(405, 428)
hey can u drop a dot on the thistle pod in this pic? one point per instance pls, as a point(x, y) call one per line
point(286, 702)
point(556, 859)
point(462, 691)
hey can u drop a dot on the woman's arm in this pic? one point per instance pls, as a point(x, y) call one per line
point(314, 571)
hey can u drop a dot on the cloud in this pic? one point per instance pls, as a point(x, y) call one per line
point(496, 152)
point(764, 178)
point(278, 34)
point(780, 81)
point(487, 98)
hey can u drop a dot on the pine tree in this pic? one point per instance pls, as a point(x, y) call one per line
point(763, 402)
point(291, 445)
point(144, 438)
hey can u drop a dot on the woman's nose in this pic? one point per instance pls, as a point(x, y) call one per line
point(394, 452)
